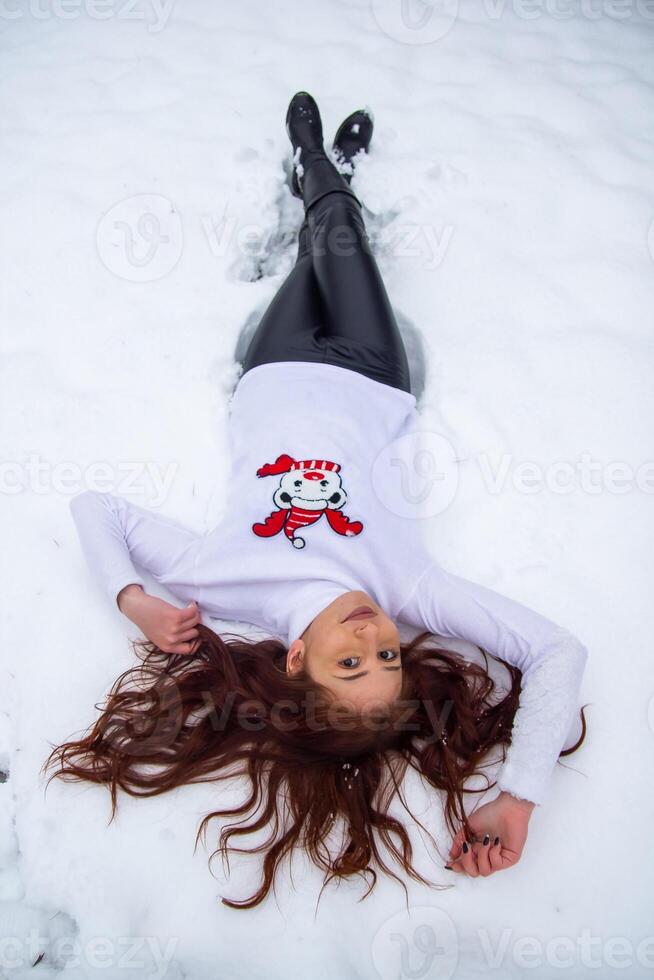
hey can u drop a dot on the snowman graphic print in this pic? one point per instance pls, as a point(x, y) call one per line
point(307, 489)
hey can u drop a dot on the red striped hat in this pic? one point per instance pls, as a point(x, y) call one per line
point(286, 463)
point(315, 464)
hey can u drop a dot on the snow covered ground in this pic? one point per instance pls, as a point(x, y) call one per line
point(145, 220)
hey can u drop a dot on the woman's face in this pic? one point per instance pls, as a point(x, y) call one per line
point(353, 649)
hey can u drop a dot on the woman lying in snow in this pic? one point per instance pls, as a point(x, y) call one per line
point(325, 718)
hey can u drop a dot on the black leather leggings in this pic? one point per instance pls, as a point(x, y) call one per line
point(333, 307)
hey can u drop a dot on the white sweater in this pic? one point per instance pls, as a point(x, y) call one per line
point(310, 526)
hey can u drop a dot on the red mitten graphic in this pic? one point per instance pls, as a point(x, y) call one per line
point(272, 525)
point(342, 524)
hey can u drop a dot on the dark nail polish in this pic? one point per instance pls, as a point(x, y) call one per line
point(486, 839)
point(447, 867)
point(465, 847)
point(496, 841)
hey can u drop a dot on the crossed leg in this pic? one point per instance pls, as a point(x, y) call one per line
point(333, 306)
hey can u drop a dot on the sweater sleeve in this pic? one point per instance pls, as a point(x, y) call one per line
point(551, 659)
point(115, 533)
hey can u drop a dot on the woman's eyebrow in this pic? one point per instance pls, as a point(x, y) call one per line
point(363, 673)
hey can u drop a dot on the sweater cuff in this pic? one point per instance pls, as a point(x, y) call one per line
point(523, 785)
point(116, 585)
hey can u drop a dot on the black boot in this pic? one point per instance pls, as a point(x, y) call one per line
point(354, 134)
point(314, 175)
point(304, 128)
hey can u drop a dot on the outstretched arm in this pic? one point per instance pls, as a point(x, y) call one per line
point(551, 659)
point(552, 662)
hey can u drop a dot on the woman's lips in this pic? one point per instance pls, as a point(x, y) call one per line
point(361, 612)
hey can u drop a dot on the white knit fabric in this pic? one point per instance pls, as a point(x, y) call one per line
point(323, 532)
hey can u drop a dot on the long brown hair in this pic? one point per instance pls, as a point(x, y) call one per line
point(231, 709)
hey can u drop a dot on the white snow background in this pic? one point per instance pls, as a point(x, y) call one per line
point(145, 219)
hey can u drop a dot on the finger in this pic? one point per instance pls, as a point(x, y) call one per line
point(509, 858)
point(184, 648)
point(189, 634)
point(188, 614)
point(457, 844)
point(468, 860)
point(185, 625)
point(482, 856)
point(495, 854)
point(177, 627)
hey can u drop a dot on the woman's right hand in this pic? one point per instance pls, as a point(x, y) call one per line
point(173, 630)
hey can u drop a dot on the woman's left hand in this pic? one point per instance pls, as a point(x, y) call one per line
point(500, 832)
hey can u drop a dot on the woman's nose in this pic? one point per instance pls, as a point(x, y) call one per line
point(368, 628)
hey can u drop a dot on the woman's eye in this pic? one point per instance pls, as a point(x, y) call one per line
point(388, 654)
point(349, 662)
